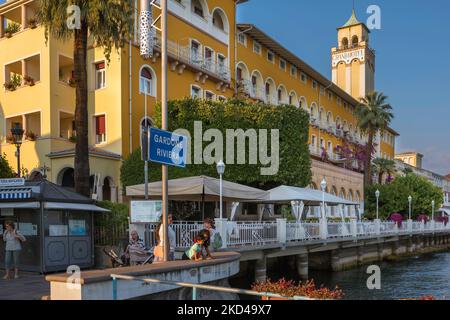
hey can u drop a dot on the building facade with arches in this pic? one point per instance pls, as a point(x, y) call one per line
point(211, 56)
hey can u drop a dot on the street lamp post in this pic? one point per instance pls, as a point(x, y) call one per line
point(433, 203)
point(323, 221)
point(221, 171)
point(377, 221)
point(17, 134)
point(410, 201)
point(323, 185)
point(377, 194)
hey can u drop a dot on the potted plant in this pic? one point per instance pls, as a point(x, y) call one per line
point(9, 138)
point(32, 23)
point(30, 135)
point(28, 81)
point(13, 83)
point(72, 82)
point(73, 139)
point(11, 29)
point(292, 289)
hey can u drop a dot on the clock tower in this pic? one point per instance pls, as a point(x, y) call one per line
point(353, 61)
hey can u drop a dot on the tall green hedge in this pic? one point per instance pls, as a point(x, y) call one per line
point(292, 122)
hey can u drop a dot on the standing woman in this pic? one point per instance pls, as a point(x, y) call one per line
point(159, 249)
point(13, 240)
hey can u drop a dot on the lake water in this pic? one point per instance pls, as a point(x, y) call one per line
point(414, 277)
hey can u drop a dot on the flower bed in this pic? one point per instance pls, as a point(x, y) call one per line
point(290, 289)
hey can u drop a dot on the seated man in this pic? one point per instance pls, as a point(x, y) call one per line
point(136, 249)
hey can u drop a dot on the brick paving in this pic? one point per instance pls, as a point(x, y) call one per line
point(30, 286)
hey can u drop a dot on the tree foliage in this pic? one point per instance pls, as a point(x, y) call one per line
point(394, 197)
point(383, 166)
point(292, 122)
point(5, 169)
point(108, 22)
point(373, 114)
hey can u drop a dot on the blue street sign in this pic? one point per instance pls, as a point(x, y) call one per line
point(168, 148)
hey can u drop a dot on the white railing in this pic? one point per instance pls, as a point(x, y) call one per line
point(195, 58)
point(388, 228)
point(249, 233)
point(364, 229)
point(302, 231)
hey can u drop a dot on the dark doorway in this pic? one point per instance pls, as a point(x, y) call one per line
point(68, 179)
point(106, 190)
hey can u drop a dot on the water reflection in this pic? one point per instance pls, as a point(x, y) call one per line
point(425, 275)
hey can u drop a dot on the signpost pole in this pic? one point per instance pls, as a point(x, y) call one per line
point(147, 137)
point(164, 113)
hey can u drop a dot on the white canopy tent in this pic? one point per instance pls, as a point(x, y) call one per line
point(445, 210)
point(200, 188)
point(299, 198)
point(286, 194)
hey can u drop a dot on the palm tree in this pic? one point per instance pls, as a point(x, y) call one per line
point(382, 166)
point(105, 24)
point(374, 114)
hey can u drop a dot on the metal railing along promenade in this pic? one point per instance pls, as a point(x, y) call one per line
point(195, 287)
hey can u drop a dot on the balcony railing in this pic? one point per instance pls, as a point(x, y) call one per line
point(195, 59)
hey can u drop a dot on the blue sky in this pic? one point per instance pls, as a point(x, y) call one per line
point(413, 64)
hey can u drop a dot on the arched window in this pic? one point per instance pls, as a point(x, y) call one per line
point(355, 41)
point(345, 43)
point(197, 8)
point(329, 119)
point(219, 20)
point(147, 82)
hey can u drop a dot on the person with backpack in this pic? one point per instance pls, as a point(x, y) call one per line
point(13, 239)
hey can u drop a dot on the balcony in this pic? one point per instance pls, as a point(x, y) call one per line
point(184, 55)
point(30, 123)
point(18, 19)
point(25, 72)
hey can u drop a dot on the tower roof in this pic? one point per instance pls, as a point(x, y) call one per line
point(353, 20)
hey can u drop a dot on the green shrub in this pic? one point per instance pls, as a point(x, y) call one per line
point(5, 169)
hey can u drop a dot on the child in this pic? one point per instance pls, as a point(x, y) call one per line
point(195, 252)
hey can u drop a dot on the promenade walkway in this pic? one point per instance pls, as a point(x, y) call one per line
point(30, 286)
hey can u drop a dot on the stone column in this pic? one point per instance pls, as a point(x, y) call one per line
point(261, 270)
point(323, 229)
point(281, 230)
point(377, 227)
point(360, 255)
point(24, 69)
point(24, 123)
point(24, 17)
point(302, 265)
point(409, 224)
point(222, 228)
point(354, 228)
point(114, 194)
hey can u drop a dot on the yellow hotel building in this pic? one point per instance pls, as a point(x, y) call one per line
point(210, 56)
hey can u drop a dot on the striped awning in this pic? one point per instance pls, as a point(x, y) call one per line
point(15, 193)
